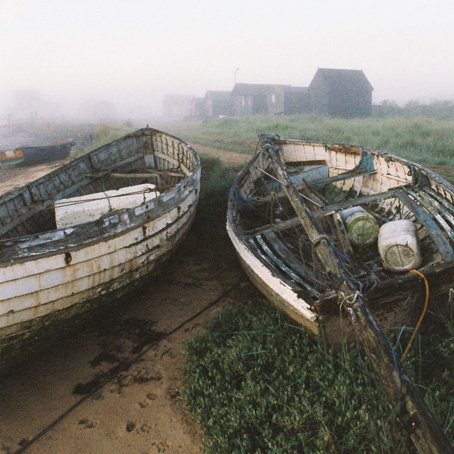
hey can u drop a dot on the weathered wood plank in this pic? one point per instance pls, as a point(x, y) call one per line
point(314, 285)
point(341, 234)
point(150, 174)
point(432, 227)
point(331, 209)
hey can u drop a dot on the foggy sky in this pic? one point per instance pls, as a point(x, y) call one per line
point(133, 52)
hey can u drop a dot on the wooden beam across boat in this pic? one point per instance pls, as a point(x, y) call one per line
point(412, 411)
point(328, 210)
point(150, 174)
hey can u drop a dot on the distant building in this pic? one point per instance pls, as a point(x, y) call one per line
point(198, 109)
point(275, 99)
point(297, 100)
point(177, 106)
point(26, 105)
point(336, 92)
point(269, 99)
point(218, 103)
point(341, 93)
point(249, 99)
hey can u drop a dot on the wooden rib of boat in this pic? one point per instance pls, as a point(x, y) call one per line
point(287, 219)
point(31, 155)
point(90, 231)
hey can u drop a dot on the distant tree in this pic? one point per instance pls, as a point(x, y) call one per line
point(441, 109)
point(389, 108)
point(413, 108)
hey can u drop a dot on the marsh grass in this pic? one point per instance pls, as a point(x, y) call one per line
point(426, 140)
point(215, 185)
point(89, 137)
point(257, 383)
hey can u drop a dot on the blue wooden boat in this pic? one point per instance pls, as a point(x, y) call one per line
point(30, 155)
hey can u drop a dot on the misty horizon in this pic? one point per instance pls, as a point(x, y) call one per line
point(133, 54)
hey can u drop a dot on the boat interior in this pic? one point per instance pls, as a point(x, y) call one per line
point(147, 156)
point(331, 179)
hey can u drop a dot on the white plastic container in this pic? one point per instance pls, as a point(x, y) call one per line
point(362, 228)
point(78, 210)
point(399, 247)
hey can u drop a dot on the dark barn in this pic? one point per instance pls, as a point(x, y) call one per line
point(269, 99)
point(218, 103)
point(177, 106)
point(297, 100)
point(341, 93)
point(198, 108)
point(249, 99)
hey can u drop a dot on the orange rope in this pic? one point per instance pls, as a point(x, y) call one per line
point(422, 315)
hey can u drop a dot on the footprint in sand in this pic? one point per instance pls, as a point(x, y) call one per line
point(146, 428)
point(161, 446)
point(150, 397)
point(130, 426)
point(87, 423)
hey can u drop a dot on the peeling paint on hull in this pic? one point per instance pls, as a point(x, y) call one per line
point(51, 277)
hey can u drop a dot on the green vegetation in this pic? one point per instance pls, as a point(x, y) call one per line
point(257, 383)
point(209, 223)
point(426, 140)
point(90, 137)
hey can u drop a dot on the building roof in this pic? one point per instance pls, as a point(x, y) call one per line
point(256, 89)
point(217, 94)
point(337, 78)
point(299, 89)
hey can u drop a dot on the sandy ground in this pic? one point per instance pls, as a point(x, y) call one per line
point(113, 386)
point(12, 177)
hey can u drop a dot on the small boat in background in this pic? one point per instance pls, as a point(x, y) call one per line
point(86, 233)
point(30, 155)
point(321, 229)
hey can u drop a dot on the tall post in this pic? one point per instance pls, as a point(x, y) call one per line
point(234, 75)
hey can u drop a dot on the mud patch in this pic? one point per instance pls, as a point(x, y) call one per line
point(99, 380)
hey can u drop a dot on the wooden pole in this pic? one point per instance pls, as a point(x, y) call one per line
point(413, 413)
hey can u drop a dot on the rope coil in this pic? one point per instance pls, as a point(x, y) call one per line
point(348, 299)
point(319, 238)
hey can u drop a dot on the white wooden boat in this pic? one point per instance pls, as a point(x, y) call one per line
point(51, 276)
point(289, 221)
